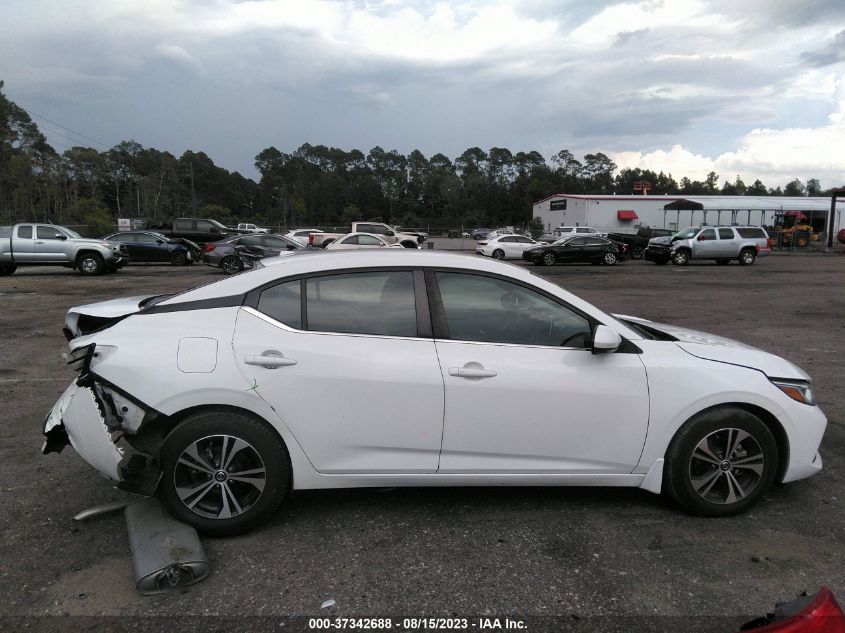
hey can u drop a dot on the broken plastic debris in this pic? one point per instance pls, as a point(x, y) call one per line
point(327, 603)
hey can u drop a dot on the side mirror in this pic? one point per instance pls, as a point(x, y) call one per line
point(61, 236)
point(606, 340)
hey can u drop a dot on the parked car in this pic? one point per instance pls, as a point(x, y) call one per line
point(505, 246)
point(390, 234)
point(638, 242)
point(720, 243)
point(50, 245)
point(149, 246)
point(222, 254)
point(198, 230)
point(360, 240)
point(246, 227)
point(575, 249)
point(480, 233)
point(566, 231)
point(216, 398)
point(301, 235)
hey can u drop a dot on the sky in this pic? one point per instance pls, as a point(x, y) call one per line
point(754, 88)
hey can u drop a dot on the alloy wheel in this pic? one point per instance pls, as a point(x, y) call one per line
point(219, 477)
point(609, 259)
point(549, 259)
point(726, 466)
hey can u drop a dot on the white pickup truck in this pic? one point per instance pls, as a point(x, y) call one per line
point(408, 240)
point(50, 245)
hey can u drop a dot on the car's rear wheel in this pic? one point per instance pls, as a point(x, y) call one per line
point(90, 264)
point(609, 259)
point(224, 472)
point(549, 259)
point(747, 257)
point(231, 264)
point(680, 258)
point(178, 258)
point(720, 462)
point(498, 254)
point(636, 252)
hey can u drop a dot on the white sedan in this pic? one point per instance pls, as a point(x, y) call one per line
point(505, 246)
point(354, 241)
point(361, 369)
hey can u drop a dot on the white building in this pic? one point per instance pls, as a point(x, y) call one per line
point(625, 214)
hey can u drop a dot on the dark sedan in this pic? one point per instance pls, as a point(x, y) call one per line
point(595, 250)
point(149, 246)
point(222, 254)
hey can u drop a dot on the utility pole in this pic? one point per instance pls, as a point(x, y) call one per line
point(838, 191)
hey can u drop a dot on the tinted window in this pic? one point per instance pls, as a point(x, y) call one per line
point(524, 240)
point(507, 239)
point(120, 237)
point(46, 233)
point(277, 242)
point(594, 241)
point(5, 231)
point(752, 233)
point(726, 234)
point(577, 241)
point(203, 225)
point(363, 303)
point(251, 240)
point(145, 238)
point(25, 232)
point(184, 225)
point(707, 234)
point(491, 310)
point(283, 303)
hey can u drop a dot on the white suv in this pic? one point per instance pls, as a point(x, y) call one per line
point(722, 243)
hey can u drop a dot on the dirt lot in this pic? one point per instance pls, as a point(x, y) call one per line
point(584, 552)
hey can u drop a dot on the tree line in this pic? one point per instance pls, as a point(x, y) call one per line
point(315, 185)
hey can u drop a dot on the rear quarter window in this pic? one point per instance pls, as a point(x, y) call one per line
point(5, 231)
point(752, 233)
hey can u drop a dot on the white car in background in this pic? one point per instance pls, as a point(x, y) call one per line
point(505, 246)
point(245, 227)
point(301, 235)
point(352, 241)
point(567, 231)
point(357, 369)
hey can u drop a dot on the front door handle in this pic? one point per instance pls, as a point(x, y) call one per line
point(472, 370)
point(269, 360)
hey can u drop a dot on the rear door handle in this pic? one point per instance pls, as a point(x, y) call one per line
point(471, 372)
point(269, 361)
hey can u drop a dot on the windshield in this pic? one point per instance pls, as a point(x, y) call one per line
point(686, 234)
point(71, 234)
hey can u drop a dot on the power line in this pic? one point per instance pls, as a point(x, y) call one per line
point(67, 129)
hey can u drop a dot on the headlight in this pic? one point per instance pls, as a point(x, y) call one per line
point(797, 390)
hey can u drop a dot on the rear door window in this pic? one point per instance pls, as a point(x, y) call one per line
point(752, 233)
point(25, 232)
point(283, 302)
point(380, 303)
point(726, 234)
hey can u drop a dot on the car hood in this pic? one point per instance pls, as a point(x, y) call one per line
point(97, 315)
point(724, 350)
point(666, 239)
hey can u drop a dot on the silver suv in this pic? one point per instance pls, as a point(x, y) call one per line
point(722, 243)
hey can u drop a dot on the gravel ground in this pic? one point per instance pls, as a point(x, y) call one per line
point(578, 553)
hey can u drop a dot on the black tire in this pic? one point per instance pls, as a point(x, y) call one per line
point(681, 257)
point(178, 258)
point(205, 432)
point(723, 262)
point(747, 257)
point(7, 269)
point(498, 254)
point(549, 259)
point(231, 265)
point(711, 486)
point(90, 264)
point(609, 259)
point(637, 252)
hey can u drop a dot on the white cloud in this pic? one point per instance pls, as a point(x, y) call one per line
point(177, 54)
point(774, 156)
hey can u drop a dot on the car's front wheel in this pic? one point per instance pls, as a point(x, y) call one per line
point(609, 259)
point(90, 264)
point(637, 252)
point(549, 259)
point(720, 462)
point(680, 258)
point(223, 471)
